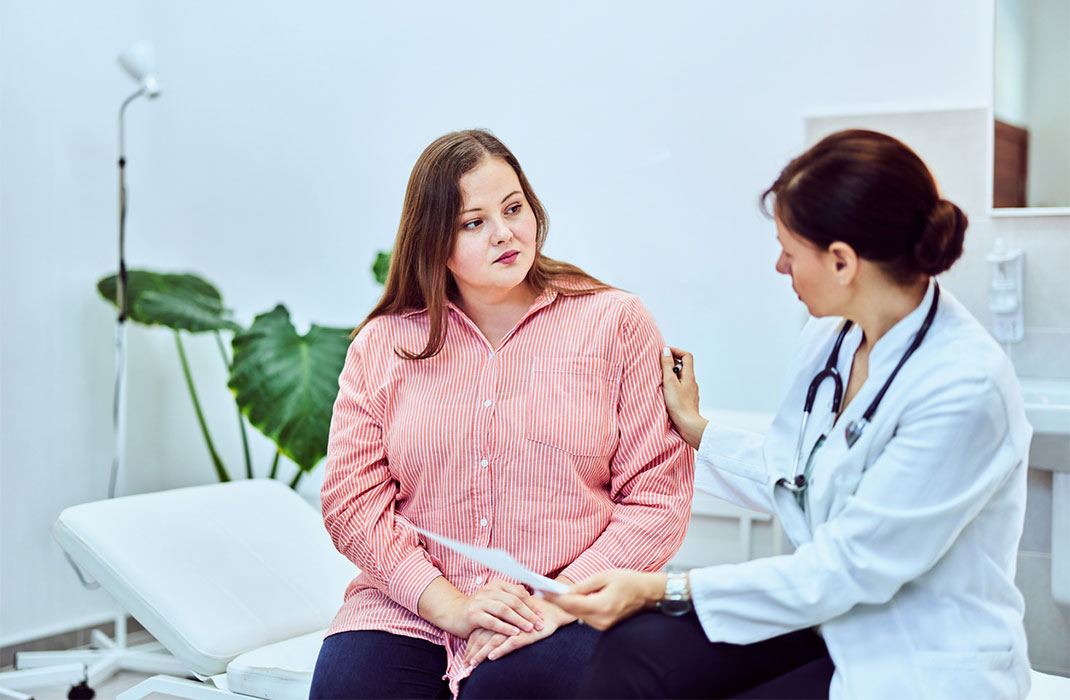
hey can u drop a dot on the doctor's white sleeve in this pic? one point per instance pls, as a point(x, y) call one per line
point(950, 454)
point(730, 465)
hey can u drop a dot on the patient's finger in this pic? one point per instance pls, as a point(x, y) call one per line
point(475, 641)
point(503, 612)
point(485, 619)
point(478, 642)
point(522, 608)
point(492, 643)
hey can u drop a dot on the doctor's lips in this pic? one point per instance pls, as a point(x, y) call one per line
point(508, 256)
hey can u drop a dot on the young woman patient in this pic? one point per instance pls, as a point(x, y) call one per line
point(500, 398)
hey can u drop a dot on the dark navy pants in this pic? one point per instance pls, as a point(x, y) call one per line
point(653, 655)
point(371, 664)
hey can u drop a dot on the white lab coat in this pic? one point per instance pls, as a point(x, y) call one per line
point(905, 554)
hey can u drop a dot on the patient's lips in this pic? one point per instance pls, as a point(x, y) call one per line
point(508, 257)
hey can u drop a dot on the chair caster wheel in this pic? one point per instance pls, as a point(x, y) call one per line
point(82, 691)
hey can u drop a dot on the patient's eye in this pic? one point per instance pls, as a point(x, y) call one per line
point(472, 225)
point(514, 209)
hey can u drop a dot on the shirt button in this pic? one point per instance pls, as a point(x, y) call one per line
point(479, 580)
point(483, 462)
point(487, 403)
point(483, 522)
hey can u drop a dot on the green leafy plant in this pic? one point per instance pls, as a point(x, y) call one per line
point(283, 383)
point(381, 266)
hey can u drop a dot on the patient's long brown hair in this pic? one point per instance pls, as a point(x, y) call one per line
point(418, 277)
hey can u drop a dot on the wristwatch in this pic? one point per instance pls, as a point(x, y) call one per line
point(677, 598)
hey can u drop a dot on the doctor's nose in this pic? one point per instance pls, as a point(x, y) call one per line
point(782, 264)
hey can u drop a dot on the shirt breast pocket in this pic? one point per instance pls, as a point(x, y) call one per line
point(572, 404)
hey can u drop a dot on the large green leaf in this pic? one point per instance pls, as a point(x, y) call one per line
point(181, 302)
point(286, 384)
point(381, 266)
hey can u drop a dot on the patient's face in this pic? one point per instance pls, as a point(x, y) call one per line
point(495, 244)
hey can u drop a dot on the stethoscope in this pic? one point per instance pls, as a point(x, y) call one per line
point(797, 483)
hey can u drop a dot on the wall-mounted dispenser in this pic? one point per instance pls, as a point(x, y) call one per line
point(1005, 296)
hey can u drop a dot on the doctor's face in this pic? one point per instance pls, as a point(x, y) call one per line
point(811, 270)
point(496, 231)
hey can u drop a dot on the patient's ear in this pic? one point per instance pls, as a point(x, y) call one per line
point(843, 261)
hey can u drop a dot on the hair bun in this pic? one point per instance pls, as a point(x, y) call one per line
point(941, 243)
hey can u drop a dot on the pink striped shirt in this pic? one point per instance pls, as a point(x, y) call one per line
point(555, 446)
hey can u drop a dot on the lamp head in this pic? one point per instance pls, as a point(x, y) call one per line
point(139, 61)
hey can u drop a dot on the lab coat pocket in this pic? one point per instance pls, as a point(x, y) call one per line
point(571, 404)
point(969, 674)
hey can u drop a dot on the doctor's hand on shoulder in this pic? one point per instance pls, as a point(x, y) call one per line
point(681, 394)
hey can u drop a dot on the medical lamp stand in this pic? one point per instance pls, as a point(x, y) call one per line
point(85, 668)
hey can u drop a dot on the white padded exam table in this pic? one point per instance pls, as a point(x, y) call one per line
point(239, 581)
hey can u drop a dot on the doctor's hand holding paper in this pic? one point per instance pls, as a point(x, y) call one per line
point(503, 400)
point(896, 465)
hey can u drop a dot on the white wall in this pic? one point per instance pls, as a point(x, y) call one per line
point(275, 162)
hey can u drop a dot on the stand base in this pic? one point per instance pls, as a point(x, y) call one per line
point(87, 667)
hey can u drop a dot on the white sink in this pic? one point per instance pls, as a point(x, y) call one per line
point(1047, 405)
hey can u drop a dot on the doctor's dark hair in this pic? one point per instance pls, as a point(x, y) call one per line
point(872, 192)
point(418, 278)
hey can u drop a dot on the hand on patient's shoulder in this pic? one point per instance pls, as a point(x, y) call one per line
point(681, 394)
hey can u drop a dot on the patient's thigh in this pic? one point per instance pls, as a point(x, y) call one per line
point(373, 664)
point(549, 668)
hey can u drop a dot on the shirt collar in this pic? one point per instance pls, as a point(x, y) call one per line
point(545, 298)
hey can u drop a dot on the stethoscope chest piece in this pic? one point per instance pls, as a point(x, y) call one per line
point(854, 431)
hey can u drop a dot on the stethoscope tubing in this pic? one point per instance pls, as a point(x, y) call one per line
point(854, 429)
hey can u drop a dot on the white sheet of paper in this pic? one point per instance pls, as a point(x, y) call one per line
point(501, 561)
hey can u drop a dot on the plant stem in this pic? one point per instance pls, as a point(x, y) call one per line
point(275, 464)
point(297, 477)
point(241, 419)
point(221, 471)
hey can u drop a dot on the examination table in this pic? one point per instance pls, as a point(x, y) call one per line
point(238, 581)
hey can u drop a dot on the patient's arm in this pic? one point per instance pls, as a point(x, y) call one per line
point(359, 494)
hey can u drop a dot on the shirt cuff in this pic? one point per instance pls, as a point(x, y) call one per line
point(702, 589)
point(411, 578)
point(586, 565)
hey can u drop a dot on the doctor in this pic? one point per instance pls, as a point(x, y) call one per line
point(896, 464)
